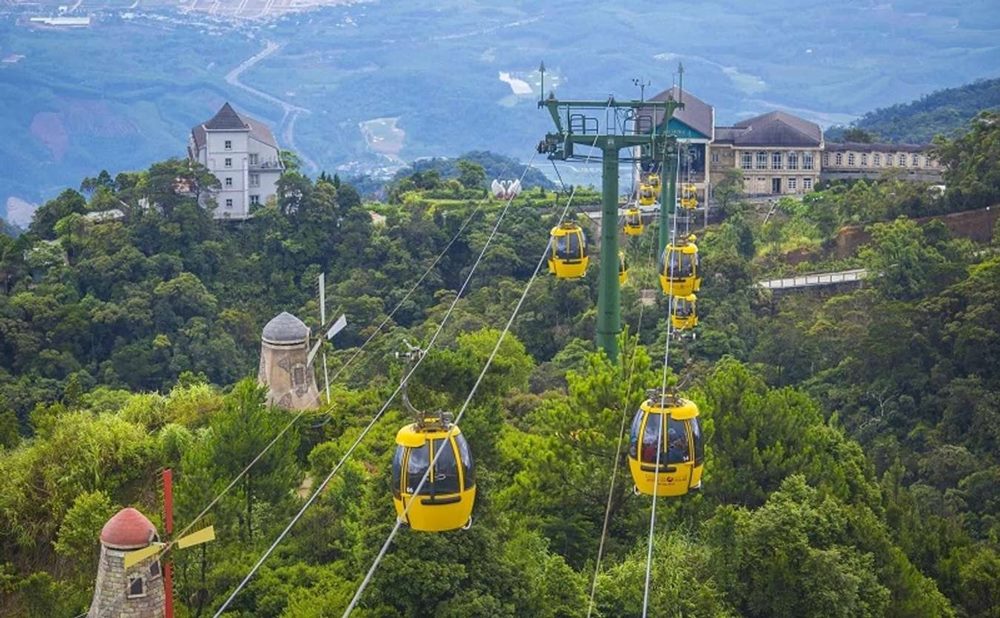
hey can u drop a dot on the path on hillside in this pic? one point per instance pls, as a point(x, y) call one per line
point(290, 111)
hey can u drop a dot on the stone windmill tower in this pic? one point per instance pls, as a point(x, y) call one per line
point(284, 364)
point(135, 592)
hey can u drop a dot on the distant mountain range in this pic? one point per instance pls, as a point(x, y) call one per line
point(370, 87)
point(943, 112)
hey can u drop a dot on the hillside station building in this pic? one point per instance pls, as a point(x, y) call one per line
point(779, 153)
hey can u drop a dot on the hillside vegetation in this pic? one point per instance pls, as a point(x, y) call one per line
point(852, 439)
point(943, 112)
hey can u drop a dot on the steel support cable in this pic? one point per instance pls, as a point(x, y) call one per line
point(343, 367)
point(489, 361)
point(618, 451)
point(671, 299)
point(458, 418)
point(312, 498)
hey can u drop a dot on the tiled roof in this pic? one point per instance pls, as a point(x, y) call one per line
point(226, 119)
point(696, 113)
point(772, 129)
point(128, 529)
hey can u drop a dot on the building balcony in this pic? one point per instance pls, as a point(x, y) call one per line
point(266, 166)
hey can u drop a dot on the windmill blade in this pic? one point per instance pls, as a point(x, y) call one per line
point(133, 558)
point(196, 538)
point(312, 352)
point(338, 326)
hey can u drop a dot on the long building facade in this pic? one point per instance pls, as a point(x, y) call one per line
point(242, 153)
point(779, 153)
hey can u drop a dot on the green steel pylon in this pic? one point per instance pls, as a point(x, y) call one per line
point(629, 124)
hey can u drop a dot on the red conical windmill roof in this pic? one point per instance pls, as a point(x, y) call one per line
point(128, 529)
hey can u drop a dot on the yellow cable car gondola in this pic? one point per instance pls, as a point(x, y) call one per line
point(684, 312)
point(568, 258)
point(680, 450)
point(647, 196)
point(622, 268)
point(679, 268)
point(633, 222)
point(445, 501)
point(689, 196)
point(654, 181)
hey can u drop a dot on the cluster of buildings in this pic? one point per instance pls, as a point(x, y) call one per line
point(779, 153)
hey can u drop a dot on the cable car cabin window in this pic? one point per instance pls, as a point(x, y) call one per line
point(699, 442)
point(677, 443)
point(569, 247)
point(445, 469)
point(676, 448)
point(397, 470)
point(681, 264)
point(416, 466)
point(468, 470)
point(650, 438)
point(683, 308)
point(634, 442)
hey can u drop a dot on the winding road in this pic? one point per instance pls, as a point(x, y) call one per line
point(290, 112)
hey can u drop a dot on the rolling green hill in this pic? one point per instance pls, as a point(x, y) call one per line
point(943, 112)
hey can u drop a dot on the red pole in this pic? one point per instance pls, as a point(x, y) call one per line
point(168, 526)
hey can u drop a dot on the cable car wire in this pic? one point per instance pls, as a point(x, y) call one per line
point(378, 415)
point(350, 360)
point(659, 441)
point(618, 450)
point(489, 361)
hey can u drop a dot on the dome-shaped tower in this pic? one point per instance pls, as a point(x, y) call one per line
point(284, 350)
point(136, 591)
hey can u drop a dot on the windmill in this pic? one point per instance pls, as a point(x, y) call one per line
point(338, 325)
point(204, 535)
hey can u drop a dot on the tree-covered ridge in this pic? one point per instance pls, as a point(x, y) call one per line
point(851, 439)
point(943, 112)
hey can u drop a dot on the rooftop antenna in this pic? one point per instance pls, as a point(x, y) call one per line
point(642, 87)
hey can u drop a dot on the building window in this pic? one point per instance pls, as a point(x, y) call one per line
point(902, 160)
point(807, 160)
point(915, 161)
point(229, 162)
point(793, 184)
point(839, 159)
point(928, 162)
point(776, 161)
point(747, 161)
point(715, 157)
point(255, 199)
point(136, 587)
point(154, 570)
point(253, 158)
point(826, 159)
point(229, 144)
point(793, 160)
point(229, 202)
point(888, 160)
point(229, 181)
point(850, 159)
point(807, 184)
point(864, 159)
point(762, 160)
point(877, 160)
point(254, 180)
